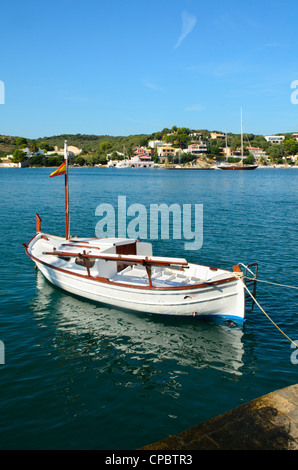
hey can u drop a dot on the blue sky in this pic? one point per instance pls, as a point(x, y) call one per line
point(120, 68)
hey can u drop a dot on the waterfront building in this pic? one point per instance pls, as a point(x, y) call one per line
point(157, 143)
point(164, 152)
point(258, 153)
point(215, 135)
point(196, 135)
point(275, 139)
point(73, 151)
point(196, 149)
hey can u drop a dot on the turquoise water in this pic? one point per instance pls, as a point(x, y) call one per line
point(80, 376)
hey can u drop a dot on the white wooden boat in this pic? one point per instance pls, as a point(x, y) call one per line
point(123, 273)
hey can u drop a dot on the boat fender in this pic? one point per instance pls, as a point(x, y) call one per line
point(88, 262)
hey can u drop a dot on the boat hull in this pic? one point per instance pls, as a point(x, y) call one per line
point(235, 167)
point(146, 283)
point(224, 300)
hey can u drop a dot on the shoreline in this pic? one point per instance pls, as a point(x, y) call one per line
point(197, 168)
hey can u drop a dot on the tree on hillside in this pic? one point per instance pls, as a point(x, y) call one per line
point(276, 151)
point(37, 160)
point(165, 131)
point(181, 139)
point(19, 156)
point(33, 147)
point(129, 151)
point(79, 160)
point(291, 147)
point(157, 136)
point(213, 150)
point(104, 146)
point(45, 146)
point(235, 142)
point(143, 142)
point(21, 141)
point(183, 130)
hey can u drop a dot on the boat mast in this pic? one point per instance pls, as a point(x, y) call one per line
point(241, 134)
point(66, 193)
point(241, 138)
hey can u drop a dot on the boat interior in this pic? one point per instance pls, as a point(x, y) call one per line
point(123, 261)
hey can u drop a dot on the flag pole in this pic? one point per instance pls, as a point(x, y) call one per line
point(66, 193)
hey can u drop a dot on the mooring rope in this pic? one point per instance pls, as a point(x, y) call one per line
point(239, 276)
point(270, 282)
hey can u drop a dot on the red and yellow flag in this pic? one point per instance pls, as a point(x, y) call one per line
point(61, 170)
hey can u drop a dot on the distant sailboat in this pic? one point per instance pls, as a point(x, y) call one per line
point(240, 165)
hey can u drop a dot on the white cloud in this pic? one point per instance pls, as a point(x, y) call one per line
point(188, 23)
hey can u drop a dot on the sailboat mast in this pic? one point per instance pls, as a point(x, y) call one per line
point(241, 135)
point(66, 193)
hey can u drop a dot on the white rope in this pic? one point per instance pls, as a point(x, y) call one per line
point(238, 275)
point(270, 282)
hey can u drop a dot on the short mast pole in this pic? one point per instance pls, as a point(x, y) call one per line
point(66, 193)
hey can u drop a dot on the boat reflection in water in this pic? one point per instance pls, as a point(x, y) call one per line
point(130, 342)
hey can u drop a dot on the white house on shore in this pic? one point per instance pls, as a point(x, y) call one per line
point(156, 143)
point(275, 139)
point(196, 149)
point(27, 151)
point(216, 135)
point(258, 153)
point(72, 151)
point(109, 155)
point(165, 152)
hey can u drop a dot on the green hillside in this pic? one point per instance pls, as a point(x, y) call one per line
point(96, 147)
point(92, 142)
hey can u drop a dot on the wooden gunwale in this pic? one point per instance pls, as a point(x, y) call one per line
point(120, 284)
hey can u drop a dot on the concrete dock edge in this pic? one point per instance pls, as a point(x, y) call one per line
point(266, 423)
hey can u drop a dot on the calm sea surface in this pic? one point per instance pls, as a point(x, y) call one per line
point(80, 376)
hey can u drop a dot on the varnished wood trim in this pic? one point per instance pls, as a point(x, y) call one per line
point(120, 284)
point(110, 257)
